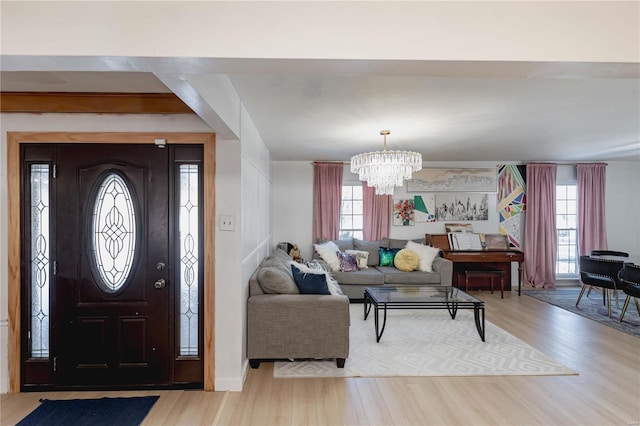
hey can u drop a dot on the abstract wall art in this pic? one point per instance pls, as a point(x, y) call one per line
point(512, 202)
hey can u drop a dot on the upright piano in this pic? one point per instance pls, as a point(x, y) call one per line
point(496, 254)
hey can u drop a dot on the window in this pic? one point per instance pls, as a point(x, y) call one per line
point(351, 211)
point(567, 231)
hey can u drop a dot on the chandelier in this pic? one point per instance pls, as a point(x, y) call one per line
point(384, 170)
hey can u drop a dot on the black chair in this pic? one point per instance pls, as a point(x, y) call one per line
point(609, 253)
point(601, 273)
point(629, 275)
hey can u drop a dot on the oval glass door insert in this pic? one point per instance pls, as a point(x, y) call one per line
point(113, 233)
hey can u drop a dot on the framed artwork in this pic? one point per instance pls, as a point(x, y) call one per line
point(462, 207)
point(425, 208)
point(454, 180)
point(404, 212)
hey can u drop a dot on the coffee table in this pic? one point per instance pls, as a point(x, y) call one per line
point(420, 297)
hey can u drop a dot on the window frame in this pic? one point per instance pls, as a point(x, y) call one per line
point(353, 231)
point(572, 231)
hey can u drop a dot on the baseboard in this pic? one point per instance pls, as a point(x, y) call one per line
point(232, 384)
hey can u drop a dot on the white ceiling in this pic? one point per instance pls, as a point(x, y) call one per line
point(448, 111)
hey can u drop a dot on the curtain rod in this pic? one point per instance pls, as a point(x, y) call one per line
point(562, 163)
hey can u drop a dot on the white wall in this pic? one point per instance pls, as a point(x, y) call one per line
point(466, 30)
point(623, 206)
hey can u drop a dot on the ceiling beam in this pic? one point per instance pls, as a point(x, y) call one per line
point(104, 103)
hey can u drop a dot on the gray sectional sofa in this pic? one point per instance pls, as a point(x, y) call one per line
point(284, 324)
point(353, 283)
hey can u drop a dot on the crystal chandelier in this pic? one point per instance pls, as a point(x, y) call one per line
point(384, 170)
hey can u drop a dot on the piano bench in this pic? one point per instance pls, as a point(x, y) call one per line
point(481, 273)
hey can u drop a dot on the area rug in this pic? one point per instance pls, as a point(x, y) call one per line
point(427, 343)
point(591, 307)
point(90, 412)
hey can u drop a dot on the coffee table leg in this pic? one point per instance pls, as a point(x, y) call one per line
point(479, 323)
point(367, 306)
point(384, 322)
point(453, 309)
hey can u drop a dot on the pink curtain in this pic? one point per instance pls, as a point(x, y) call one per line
point(327, 197)
point(540, 228)
point(592, 229)
point(376, 214)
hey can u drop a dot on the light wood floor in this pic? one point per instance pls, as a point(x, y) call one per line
point(606, 391)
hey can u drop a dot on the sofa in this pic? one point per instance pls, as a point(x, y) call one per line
point(282, 323)
point(353, 283)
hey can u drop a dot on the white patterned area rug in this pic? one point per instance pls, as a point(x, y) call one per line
point(427, 343)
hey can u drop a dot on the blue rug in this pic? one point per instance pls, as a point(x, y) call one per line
point(103, 411)
point(591, 307)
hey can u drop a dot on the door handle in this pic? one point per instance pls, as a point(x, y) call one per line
point(161, 283)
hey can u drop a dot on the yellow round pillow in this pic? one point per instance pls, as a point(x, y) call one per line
point(406, 260)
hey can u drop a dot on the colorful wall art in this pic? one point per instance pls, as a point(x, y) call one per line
point(462, 206)
point(404, 213)
point(425, 208)
point(512, 202)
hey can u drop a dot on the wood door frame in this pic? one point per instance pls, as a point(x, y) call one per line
point(15, 139)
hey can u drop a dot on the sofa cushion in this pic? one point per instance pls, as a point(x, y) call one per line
point(369, 276)
point(372, 248)
point(394, 243)
point(348, 262)
point(345, 244)
point(406, 260)
point(395, 276)
point(426, 254)
point(328, 252)
point(387, 255)
point(310, 283)
point(274, 280)
point(362, 257)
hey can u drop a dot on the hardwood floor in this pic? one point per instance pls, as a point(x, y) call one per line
point(606, 391)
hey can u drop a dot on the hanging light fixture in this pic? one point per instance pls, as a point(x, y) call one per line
point(384, 170)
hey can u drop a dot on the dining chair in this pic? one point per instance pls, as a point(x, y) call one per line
point(630, 276)
point(601, 273)
point(607, 253)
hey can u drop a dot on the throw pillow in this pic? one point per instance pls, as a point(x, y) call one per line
point(406, 260)
point(362, 257)
point(310, 283)
point(426, 254)
point(387, 255)
point(348, 262)
point(313, 268)
point(372, 248)
point(275, 280)
point(327, 252)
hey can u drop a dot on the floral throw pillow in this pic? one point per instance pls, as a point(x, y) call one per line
point(348, 262)
point(387, 255)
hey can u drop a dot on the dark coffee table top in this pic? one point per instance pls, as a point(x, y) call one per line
point(420, 295)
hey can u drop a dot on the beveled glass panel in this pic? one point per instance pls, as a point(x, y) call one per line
point(40, 260)
point(113, 233)
point(188, 213)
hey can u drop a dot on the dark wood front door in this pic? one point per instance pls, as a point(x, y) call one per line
point(111, 324)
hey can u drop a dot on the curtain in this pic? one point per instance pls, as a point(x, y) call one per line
point(327, 197)
point(540, 228)
point(592, 229)
point(376, 220)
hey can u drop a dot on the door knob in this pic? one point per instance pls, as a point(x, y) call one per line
point(161, 283)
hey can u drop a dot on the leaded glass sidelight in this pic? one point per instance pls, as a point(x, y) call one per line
point(189, 258)
point(40, 260)
point(113, 232)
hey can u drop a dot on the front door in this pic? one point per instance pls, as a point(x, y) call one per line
point(112, 302)
point(112, 238)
